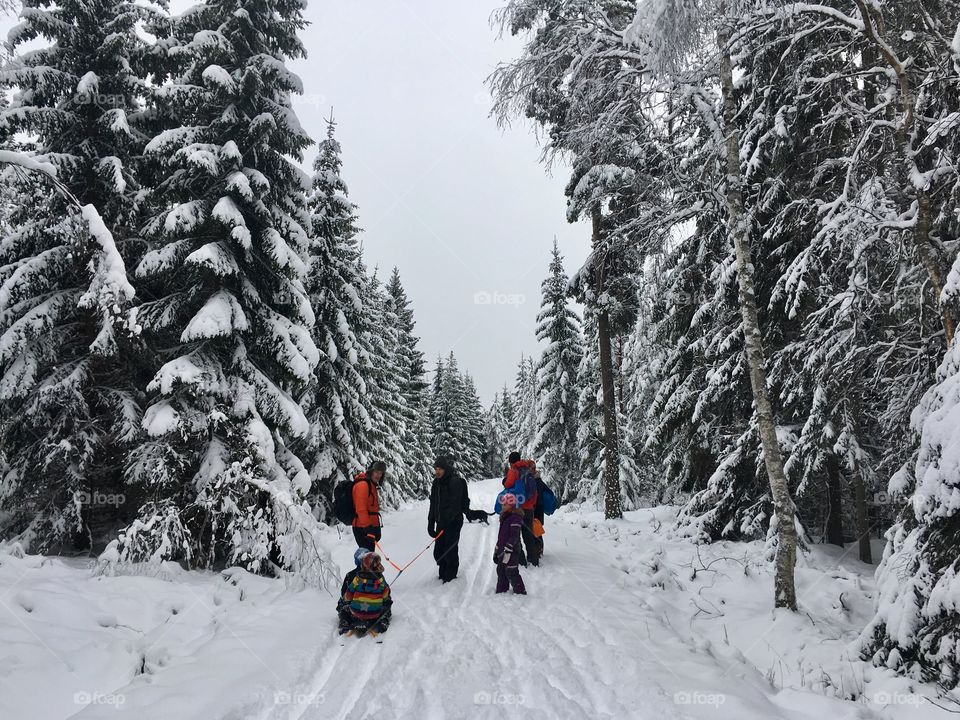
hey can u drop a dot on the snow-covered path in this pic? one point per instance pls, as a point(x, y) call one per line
point(593, 639)
point(578, 646)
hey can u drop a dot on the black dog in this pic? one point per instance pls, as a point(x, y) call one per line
point(478, 516)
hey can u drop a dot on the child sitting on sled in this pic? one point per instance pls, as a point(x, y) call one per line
point(365, 601)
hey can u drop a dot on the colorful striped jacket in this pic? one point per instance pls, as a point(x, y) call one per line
point(367, 594)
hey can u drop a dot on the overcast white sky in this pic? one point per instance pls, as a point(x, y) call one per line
point(459, 206)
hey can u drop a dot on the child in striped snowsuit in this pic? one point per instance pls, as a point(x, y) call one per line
point(365, 596)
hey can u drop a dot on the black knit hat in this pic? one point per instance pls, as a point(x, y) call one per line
point(444, 463)
point(514, 457)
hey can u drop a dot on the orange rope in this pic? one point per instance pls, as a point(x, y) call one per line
point(380, 548)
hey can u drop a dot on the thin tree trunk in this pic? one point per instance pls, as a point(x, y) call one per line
point(863, 519)
point(785, 589)
point(929, 257)
point(929, 252)
point(612, 507)
point(834, 501)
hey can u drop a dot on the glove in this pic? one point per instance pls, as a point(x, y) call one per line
point(432, 529)
point(497, 555)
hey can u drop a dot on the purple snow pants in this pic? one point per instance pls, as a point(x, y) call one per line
point(508, 575)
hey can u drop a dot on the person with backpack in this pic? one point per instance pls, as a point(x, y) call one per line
point(365, 601)
point(505, 555)
point(521, 482)
point(449, 503)
point(536, 517)
point(546, 505)
point(357, 504)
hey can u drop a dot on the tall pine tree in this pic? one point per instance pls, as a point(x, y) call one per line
point(69, 404)
point(558, 327)
point(229, 318)
point(334, 402)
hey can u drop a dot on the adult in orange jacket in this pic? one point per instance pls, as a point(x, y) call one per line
point(367, 527)
point(530, 543)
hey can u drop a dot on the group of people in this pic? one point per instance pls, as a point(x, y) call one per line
point(364, 606)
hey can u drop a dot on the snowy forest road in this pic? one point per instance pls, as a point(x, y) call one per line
point(591, 640)
point(578, 646)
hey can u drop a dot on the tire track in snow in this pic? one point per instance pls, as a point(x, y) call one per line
point(484, 548)
point(449, 643)
point(543, 662)
point(362, 670)
point(328, 664)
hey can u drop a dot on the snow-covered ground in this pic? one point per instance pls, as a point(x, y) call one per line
point(621, 622)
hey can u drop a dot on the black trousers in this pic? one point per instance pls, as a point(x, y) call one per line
point(531, 543)
point(347, 620)
point(362, 536)
point(446, 551)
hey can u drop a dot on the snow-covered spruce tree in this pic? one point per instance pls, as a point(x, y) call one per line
point(69, 401)
point(595, 97)
point(603, 186)
point(524, 428)
point(473, 425)
point(509, 422)
point(606, 285)
point(591, 429)
point(558, 327)
point(385, 398)
point(446, 423)
point(913, 76)
point(915, 630)
point(858, 331)
point(701, 418)
point(456, 418)
point(496, 430)
point(334, 401)
point(414, 389)
point(640, 368)
point(228, 318)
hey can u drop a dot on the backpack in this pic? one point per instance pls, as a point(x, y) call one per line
point(526, 484)
point(523, 489)
point(548, 498)
point(343, 508)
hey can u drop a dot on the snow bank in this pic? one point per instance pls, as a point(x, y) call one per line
point(721, 594)
point(178, 645)
point(621, 621)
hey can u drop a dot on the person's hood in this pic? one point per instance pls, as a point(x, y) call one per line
point(378, 465)
point(359, 555)
point(446, 464)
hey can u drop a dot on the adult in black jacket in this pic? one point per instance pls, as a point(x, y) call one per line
point(538, 512)
point(449, 502)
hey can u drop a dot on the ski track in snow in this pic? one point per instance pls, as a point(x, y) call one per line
point(576, 647)
point(585, 643)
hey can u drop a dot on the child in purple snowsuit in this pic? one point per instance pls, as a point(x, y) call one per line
point(507, 555)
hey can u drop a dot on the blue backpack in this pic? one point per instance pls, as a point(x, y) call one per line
point(548, 498)
point(524, 488)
